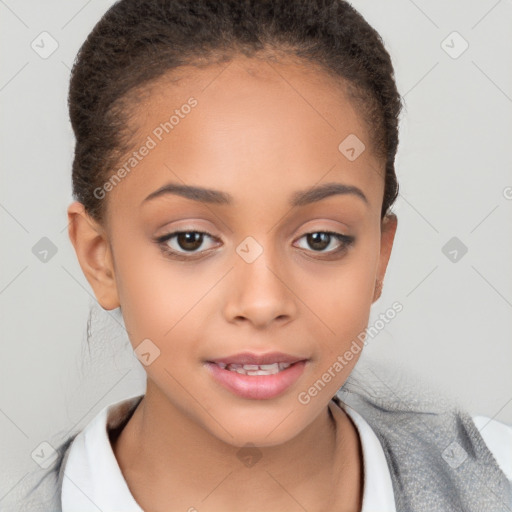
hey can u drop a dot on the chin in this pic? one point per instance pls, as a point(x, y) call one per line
point(259, 429)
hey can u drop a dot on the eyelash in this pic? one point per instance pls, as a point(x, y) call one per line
point(346, 242)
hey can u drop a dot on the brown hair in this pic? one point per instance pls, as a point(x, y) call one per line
point(138, 41)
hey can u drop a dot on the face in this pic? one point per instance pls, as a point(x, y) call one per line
point(263, 263)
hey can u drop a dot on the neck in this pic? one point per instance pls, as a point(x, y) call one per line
point(171, 462)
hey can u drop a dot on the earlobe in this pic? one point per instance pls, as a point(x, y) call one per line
point(378, 290)
point(388, 231)
point(94, 255)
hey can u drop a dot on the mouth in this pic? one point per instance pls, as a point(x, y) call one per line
point(255, 369)
point(257, 377)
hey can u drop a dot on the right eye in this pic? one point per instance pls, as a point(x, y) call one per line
point(183, 242)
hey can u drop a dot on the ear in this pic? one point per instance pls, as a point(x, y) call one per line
point(388, 230)
point(94, 255)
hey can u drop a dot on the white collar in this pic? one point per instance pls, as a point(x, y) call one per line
point(378, 488)
point(93, 479)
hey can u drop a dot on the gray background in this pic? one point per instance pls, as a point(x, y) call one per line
point(454, 166)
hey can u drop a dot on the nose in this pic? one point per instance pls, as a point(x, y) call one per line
point(261, 292)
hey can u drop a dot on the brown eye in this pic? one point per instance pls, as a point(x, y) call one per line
point(318, 241)
point(183, 244)
point(189, 240)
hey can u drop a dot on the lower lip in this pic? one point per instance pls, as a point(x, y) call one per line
point(257, 387)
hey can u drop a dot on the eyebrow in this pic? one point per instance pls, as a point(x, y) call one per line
point(300, 198)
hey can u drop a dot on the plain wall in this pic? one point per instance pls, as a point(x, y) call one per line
point(454, 166)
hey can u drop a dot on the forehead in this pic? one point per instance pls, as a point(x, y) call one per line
point(248, 127)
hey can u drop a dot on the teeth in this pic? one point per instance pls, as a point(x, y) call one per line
point(270, 367)
point(255, 369)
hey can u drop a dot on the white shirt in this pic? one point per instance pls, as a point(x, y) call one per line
point(93, 479)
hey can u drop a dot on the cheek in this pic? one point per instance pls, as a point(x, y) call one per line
point(341, 298)
point(153, 293)
point(166, 302)
point(342, 294)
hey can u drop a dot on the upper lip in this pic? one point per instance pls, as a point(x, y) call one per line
point(258, 359)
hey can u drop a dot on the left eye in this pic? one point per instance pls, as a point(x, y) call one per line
point(320, 240)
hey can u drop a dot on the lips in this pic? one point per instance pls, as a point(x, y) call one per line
point(257, 376)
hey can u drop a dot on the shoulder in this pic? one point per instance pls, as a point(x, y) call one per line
point(498, 438)
point(433, 446)
point(40, 489)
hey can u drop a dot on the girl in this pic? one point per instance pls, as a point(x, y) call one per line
point(233, 176)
